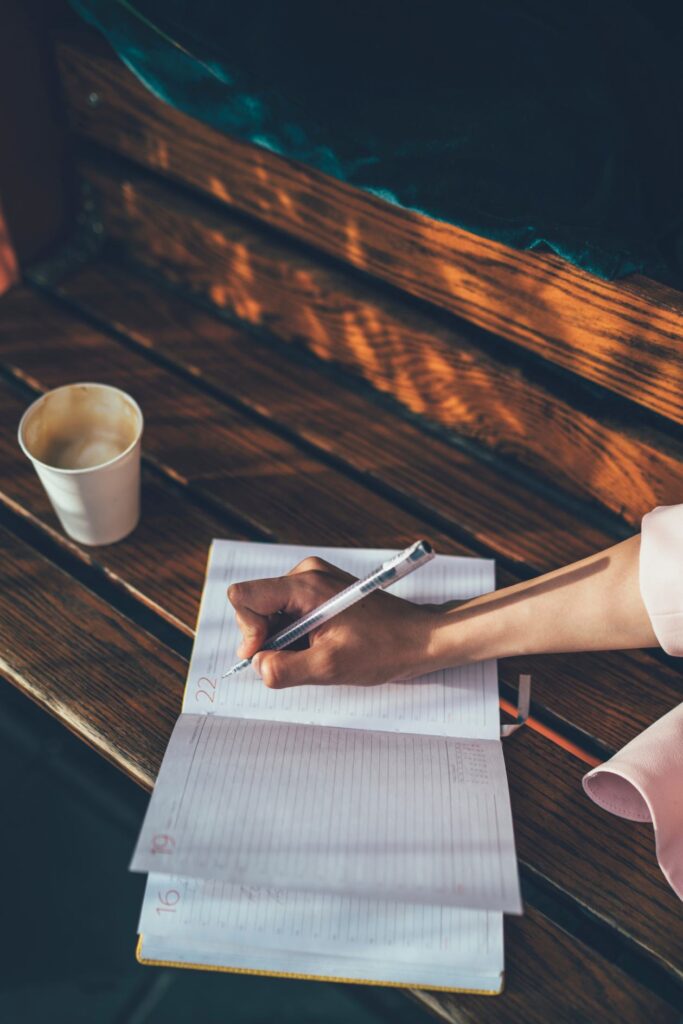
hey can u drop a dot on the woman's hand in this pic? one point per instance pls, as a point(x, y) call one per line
point(592, 605)
point(379, 639)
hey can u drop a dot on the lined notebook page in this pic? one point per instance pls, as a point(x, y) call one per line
point(217, 913)
point(454, 702)
point(357, 813)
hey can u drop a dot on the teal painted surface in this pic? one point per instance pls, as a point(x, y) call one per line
point(544, 126)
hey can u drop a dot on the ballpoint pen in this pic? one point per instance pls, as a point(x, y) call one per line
point(383, 576)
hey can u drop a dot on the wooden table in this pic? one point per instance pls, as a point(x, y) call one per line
point(234, 429)
point(277, 348)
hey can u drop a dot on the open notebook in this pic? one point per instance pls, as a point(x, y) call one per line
point(347, 833)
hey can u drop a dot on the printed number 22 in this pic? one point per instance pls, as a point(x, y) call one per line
point(209, 692)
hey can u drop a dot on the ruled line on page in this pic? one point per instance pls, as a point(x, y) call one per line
point(325, 809)
point(275, 918)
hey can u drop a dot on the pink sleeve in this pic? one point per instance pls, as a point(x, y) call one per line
point(661, 574)
point(644, 780)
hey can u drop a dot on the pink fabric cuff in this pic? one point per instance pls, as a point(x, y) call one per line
point(661, 574)
point(644, 782)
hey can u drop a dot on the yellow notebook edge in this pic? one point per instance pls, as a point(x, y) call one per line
point(310, 977)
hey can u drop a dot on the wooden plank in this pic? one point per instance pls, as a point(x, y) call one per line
point(624, 336)
point(443, 480)
point(532, 839)
point(546, 982)
point(244, 468)
point(172, 526)
point(107, 680)
point(434, 370)
point(252, 474)
point(119, 689)
point(610, 696)
point(567, 836)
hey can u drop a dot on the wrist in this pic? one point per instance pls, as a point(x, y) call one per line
point(462, 633)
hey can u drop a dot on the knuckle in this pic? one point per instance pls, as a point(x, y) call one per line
point(270, 673)
point(312, 564)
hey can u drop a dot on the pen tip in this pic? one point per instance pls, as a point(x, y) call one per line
point(237, 668)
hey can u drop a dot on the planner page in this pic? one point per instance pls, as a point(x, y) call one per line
point(218, 914)
point(453, 702)
point(385, 815)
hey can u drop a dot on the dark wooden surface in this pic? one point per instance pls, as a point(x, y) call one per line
point(33, 180)
point(439, 372)
point(604, 868)
point(624, 336)
point(544, 961)
point(119, 689)
point(39, 337)
point(534, 447)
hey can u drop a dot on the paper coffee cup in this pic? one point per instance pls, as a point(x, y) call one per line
point(84, 442)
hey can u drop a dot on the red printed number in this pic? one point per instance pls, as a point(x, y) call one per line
point(168, 901)
point(163, 844)
point(209, 692)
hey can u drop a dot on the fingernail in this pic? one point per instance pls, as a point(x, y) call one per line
point(255, 664)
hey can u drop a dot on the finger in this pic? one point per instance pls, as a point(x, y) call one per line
point(266, 597)
point(315, 564)
point(254, 629)
point(281, 669)
point(311, 564)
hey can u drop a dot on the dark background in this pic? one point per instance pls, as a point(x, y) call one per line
point(70, 906)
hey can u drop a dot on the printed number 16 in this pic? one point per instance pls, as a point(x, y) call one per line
point(168, 901)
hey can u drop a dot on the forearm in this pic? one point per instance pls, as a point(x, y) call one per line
point(592, 605)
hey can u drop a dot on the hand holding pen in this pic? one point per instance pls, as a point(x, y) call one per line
point(315, 594)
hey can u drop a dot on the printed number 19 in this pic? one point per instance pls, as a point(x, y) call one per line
point(163, 843)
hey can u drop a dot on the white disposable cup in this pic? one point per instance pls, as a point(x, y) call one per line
point(84, 442)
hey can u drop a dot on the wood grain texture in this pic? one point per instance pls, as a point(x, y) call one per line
point(622, 692)
point(119, 689)
point(609, 697)
point(437, 372)
point(624, 336)
point(226, 457)
point(329, 413)
point(172, 526)
point(586, 850)
point(107, 680)
point(545, 981)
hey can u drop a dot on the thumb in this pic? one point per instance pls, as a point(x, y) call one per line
point(281, 669)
